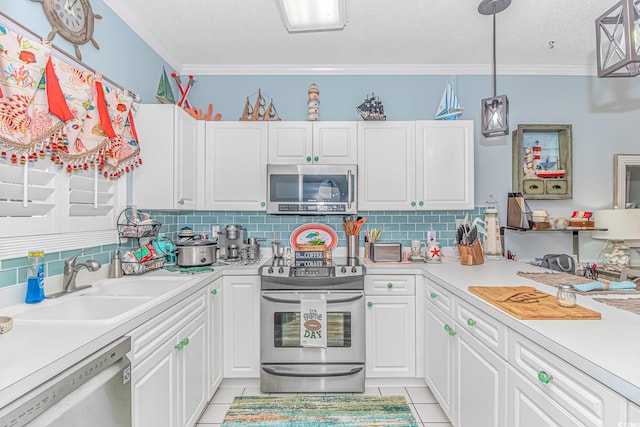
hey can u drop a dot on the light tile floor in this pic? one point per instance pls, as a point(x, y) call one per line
point(426, 409)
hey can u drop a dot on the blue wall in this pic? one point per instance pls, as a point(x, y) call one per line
point(604, 114)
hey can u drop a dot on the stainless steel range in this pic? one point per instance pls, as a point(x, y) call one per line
point(289, 363)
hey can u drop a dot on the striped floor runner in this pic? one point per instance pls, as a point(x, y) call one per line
point(316, 411)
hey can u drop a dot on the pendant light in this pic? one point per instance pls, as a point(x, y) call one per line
point(495, 110)
point(618, 40)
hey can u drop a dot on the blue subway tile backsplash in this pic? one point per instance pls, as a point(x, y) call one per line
point(397, 226)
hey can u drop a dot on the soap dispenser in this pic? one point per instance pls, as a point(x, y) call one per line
point(115, 268)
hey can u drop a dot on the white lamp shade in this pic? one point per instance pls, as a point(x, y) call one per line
point(621, 224)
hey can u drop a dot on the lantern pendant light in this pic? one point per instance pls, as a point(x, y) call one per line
point(495, 110)
point(618, 40)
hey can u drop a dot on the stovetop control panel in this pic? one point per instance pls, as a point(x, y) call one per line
point(311, 269)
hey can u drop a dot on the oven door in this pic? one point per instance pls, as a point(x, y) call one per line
point(280, 333)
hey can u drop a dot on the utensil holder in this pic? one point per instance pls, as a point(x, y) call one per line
point(353, 246)
point(471, 254)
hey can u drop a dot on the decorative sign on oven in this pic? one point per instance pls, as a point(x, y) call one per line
point(314, 236)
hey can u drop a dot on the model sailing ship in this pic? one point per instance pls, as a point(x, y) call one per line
point(259, 110)
point(164, 95)
point(371, 108)
point(449, 108)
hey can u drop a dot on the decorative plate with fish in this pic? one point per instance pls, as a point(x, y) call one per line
point(313, 234)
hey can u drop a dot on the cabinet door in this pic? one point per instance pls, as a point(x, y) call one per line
point(439, 357)
point(335, 143)
point(633, 414)
point(192, 368)
point(444, 156)
point(241, 312)
point(390, 330)
point(290, 143)
point(236, 173)
point(189, 162)
point(529, 407)
point(153, 182)
point(481, 380)
point(386, 166)
point(154, 389)
point(215, 335)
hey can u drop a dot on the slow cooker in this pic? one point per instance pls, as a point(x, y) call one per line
point(195, 252)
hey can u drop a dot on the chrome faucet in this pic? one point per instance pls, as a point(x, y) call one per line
point(70, 271)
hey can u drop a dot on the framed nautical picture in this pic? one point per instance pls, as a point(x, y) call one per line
point(542, 161)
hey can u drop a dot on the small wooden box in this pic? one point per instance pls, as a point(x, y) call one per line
point(540, 225)
point(583, 224)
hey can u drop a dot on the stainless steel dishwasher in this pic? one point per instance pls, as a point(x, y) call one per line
point(96, 391)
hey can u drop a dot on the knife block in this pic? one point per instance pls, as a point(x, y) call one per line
point(471, 254)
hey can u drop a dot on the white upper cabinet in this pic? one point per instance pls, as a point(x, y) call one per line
point(236, 171)
point(415, 165)
point(444, 168)
point(172, 172)
point(319, 142)
point(386, 165)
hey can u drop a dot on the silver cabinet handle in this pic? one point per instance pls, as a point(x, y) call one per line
point(349, 189)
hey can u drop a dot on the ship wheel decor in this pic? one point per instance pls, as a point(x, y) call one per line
point(73, 19)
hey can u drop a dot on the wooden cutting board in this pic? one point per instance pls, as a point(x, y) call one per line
point(546, 308)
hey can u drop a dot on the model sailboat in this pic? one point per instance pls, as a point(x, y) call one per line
point(259, 110)
point(164, 95)
point(449, 108)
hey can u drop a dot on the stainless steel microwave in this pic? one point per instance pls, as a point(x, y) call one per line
point(312, 189)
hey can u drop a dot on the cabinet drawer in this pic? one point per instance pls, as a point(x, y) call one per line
point(440, 297)
point(485, 328)
point(556, 186)
point(592, 403)
point(153, 333)
point(390, 285)
point(533, 186)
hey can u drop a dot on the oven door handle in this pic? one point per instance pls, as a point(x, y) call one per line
point(297, 300)
point(272, 371)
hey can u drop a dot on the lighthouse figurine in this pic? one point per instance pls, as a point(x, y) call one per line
point(314, 102)
point(492, 242)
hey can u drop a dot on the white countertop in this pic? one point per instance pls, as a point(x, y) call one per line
point(34, 351)
point(606, 349)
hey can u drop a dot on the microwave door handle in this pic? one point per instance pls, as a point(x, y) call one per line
point(349, 189)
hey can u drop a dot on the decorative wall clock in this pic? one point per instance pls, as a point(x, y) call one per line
point(73, 19)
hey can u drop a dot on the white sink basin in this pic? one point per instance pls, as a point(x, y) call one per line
point(82, 308)
point(137, 286)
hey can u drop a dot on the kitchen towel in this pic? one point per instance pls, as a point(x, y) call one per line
point(605, 285)
point(313, 315)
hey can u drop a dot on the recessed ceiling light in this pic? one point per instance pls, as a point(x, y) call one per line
point(313, 15)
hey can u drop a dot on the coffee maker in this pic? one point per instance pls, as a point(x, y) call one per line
point(231, 240)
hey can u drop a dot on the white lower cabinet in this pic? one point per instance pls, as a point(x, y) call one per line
point(169, 359)
point(480, 383)
point(486, 374)
point(587, 400)
point(439, 358)
point(530, 407)
point(390, 326)
point(241, 312)
point(216, 355)
point(633, 415)
point(467, 377)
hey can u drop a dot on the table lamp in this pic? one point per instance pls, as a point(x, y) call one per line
point(621, 225)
